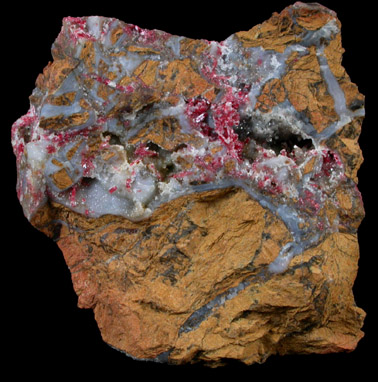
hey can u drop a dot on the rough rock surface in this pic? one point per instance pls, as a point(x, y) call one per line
point(203, 194)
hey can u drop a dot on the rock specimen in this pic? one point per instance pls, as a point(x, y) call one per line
point(203, 193)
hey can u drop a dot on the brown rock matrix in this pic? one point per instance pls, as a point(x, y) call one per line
point(203, 193)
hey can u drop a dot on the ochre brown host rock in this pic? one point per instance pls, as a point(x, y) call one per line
point(203, 193)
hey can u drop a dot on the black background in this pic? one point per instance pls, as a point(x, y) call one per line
point(43, 331)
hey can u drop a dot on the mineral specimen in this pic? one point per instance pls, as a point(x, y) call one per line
point(203, 193)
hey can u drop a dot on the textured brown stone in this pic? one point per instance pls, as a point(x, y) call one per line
point(274, 33)
point(272, 94)
point(307, 91)
point(61, 179)
point(143, 279)
point(60, 120)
